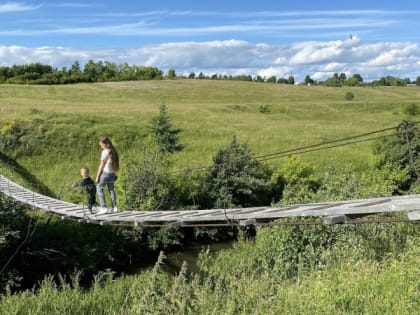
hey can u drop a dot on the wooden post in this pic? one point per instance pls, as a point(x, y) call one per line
point(247, 222)
point(334, 219)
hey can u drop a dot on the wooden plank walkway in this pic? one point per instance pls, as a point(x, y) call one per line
point(330, 212)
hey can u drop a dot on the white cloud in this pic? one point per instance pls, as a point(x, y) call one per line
point(282, 72)
point(10, 7)
point(333, 67)
point(75, 5)
point(318, 59)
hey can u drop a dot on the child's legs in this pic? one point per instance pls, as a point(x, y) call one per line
point(91, 201)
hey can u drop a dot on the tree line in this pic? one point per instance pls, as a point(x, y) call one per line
point(105, 71)
point(37, 73)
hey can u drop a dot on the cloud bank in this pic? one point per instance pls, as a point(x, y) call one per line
point(234, 57)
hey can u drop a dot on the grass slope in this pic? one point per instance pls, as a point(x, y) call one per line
point(209, 112)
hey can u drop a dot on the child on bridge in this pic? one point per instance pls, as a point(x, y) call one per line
point(90, 187)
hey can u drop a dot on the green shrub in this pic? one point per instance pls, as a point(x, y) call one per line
point(412, 109)
point(349, 96)
point(235, 179)
point(265, 109)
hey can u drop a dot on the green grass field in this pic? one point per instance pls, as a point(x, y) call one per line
point(209, 112)
point(368, 269)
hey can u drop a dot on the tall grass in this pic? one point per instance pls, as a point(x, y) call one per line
point(342, 285)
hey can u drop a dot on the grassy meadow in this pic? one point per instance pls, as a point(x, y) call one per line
point(319, 269)
point(209, 113)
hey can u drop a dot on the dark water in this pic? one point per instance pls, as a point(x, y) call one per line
point(174, 259)
point(190, 255)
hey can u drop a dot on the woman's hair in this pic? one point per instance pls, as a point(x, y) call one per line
point(114, 159)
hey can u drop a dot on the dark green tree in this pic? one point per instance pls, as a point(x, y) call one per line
point(334, 81)
point(308, 80)
point(259, 79)
point(272, 79)
point(93, 70)
point(165, 135)
point(355, 80)
point(236, 179)
point(171, 74)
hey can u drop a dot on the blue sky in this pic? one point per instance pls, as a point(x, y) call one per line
point(282, 38)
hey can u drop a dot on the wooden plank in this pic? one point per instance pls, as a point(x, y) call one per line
point(373, 203)
point(253, 210)
point(207, 212)
point(326, 206)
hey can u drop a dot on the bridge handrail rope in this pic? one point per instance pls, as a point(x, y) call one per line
point(339, 212)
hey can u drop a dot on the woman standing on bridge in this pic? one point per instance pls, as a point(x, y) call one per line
point(106, 176)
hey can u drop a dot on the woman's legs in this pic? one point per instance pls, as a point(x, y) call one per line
point(101, 194)
point(112, 194)
point(107, 179)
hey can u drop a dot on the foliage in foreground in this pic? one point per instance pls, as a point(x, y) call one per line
point(15, 228)
point(346, 279)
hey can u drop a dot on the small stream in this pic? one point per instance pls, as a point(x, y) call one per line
point(190, 254)
point(174, 259)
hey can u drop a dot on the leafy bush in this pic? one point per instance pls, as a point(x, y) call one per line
point(235, 179)
point(412, 109)
point(294, 181)
point(146, 187)
point(15, 228)
point(349, 96)
point(265, 109)
point(400, 152)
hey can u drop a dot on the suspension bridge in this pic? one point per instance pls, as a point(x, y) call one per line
point(340, 212)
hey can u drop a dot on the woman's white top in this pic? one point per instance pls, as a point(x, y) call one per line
point(105, 156)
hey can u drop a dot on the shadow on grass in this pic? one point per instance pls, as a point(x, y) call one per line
point(30, 178)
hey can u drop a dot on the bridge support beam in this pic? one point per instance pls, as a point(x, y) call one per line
point(175, 224)
point(335, 219)
point(247, 222)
